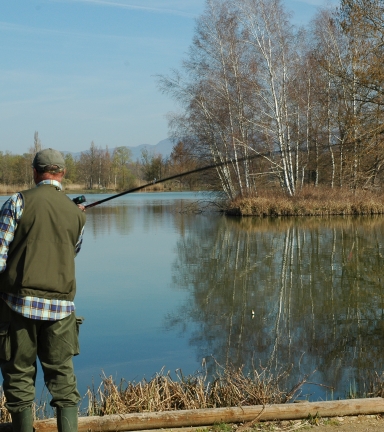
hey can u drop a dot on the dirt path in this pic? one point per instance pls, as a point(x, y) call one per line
point(374, 423)
point(358, 424)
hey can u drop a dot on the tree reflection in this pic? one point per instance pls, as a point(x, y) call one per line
point(305, 292)
point(122, 217)
point(107, 218)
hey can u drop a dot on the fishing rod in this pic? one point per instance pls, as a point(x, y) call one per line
point(82, 199)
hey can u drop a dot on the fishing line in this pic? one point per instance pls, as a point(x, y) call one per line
point(81, 198)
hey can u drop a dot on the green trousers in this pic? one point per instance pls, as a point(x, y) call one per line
point(22, 342)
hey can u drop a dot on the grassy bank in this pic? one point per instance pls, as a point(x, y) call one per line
point(309, 202)
point(229, 387)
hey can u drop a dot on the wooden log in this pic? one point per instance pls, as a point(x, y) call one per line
point(206, 417)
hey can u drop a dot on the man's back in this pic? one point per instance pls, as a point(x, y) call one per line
point(41, 256)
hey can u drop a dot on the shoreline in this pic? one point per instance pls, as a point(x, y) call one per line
point(245, 417)
point(309, 202)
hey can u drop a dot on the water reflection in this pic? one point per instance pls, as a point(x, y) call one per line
point(124, 275)
point(305, 292)
point(162, 286)
point(110, 217)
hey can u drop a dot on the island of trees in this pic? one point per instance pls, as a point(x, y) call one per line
point(307, 102)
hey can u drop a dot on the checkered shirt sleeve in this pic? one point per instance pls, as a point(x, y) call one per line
point(10, 215)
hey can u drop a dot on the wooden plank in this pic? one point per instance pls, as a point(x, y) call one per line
point(206, 417)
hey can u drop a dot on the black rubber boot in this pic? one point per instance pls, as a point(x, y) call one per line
point(67, 419)
point(22, 421)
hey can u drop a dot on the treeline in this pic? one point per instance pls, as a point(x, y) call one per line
point(101, 169)
point(307, 102)
point(280, 106)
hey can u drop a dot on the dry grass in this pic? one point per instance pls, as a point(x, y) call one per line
point(374, 385)
point(5, 417)
point(309, 202)
point(41, 409)
point(230, 387)
point(72, 186)
point(11, 189)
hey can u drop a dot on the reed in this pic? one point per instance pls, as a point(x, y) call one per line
point(75, 187)
point(229, 387)
point(10, 189)
point(5, 417)
point(309, 201)
point(41, 409)
point(374, 385)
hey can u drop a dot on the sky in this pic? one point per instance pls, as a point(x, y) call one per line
point(83, 71)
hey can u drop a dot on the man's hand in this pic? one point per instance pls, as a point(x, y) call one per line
point(81, 207)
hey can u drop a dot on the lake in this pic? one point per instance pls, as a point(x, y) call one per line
point(164, 287)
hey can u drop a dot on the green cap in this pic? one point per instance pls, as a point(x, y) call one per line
point(49, 160)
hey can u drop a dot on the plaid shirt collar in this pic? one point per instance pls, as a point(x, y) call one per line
point(50, 182)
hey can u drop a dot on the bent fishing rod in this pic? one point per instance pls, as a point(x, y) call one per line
point(82, 199)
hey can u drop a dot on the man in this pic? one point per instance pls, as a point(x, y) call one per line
point(40, 234)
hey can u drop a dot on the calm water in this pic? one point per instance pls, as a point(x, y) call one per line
point(161, 286)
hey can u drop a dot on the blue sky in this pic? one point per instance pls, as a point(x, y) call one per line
point(79, 71)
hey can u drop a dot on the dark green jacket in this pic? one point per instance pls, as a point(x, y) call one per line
point(41, 256)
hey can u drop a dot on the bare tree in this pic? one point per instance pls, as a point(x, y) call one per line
point(311, 107)
point(239, 92)
point(214, 126)
point(272, 44)
point(120, 159)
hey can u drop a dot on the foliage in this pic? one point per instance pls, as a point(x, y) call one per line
point(277, 105)
point(308, 104)
point(122, 176)
point(152, 166)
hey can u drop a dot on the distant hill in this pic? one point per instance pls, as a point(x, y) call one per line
point(163, 147)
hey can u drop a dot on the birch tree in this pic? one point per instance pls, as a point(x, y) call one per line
point(363, 24)
point(330, 102)
point(212, 93)
point(271, 42)
point(309, 107)
point(353, 126)
point(238, 92)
